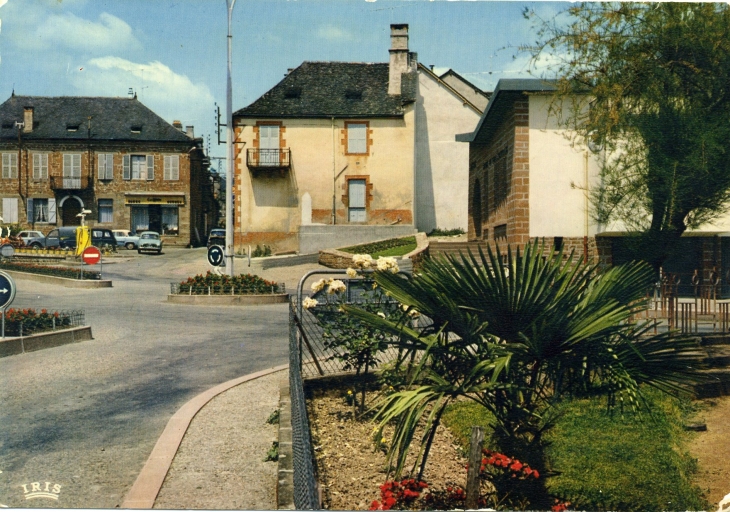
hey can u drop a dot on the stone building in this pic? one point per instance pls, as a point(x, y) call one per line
point(111, 156)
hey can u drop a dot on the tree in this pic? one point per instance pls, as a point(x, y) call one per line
point(650, 84)
point(518, 338)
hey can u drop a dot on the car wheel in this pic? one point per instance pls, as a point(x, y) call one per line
point(36, 245)
point(129, 245)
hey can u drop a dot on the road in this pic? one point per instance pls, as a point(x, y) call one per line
point(86, 416)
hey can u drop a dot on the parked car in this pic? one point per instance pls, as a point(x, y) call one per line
point(29, 237)
point(217, 236)
point(65, 238)
point(103, 239)
point(58, 238)
point(125, 238)
point(149, 241)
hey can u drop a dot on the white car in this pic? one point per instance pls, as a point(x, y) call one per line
point(31, 236)
point(125, 238)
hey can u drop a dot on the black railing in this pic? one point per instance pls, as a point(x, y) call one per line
point(69, 183)
point(260, 159)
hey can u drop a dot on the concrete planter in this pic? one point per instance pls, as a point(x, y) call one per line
point(50, 339)
point(63, 281)
point(228, 300)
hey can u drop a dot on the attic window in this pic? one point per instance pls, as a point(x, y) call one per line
point(352, 94)
point(136, 129)
point(293, 93)
point(72, 127)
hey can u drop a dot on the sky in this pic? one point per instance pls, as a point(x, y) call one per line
point(173, 53)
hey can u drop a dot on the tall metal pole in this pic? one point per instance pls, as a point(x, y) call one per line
point(229, 151)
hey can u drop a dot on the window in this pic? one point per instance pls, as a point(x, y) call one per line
point(356, 196)
point(172, 167)
point(10, 166)
point(10, 210)
point(500, 231)
point(357, 134)
point(106, 210)
point(169, 220)
point(72, 170)
point(139, 167)
point(140, 219)
point(40, 166)
point(41, 209)
point(106, 166)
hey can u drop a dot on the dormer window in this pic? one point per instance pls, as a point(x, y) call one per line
point(136, 129)
point(8, 125)
point(352, 94)
point(72, 127)
point(293, 93)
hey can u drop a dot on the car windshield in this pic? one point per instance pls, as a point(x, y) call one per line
point(218, 232)
point(153, 236)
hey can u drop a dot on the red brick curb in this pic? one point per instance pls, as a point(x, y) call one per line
point(149, 482)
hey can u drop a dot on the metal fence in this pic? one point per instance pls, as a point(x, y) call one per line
point(38, 324)
point(227, 289)
point(306, 493)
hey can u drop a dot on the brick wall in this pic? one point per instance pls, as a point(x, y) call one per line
point(501, 171)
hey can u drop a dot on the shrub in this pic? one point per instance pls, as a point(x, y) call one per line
point(242, 284)
point(392, 247)
point(28, 321)
point(47, 270)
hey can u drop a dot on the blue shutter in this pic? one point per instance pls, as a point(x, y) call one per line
point(52, 210)
point(150, 167)
point(126, 173)
point(29, 209)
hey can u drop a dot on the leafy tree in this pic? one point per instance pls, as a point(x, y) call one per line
point(649, 83)
point(516, 339)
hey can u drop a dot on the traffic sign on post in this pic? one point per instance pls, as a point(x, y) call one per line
point(215, 255)
point(7, 290)
point(91, 255)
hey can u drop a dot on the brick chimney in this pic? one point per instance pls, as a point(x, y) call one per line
point(27, 119)
point(399, 57)
point(177, 124)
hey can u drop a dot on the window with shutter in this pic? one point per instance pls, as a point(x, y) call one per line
point(72, 170)
point(10, 165)
point(150, 167)
point(106, 166)
point(172, 167)
point(357, 134)
point(126, 167)
point(40, 166)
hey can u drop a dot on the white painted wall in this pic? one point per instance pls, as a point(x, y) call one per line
point(558, 174)
point(442, 164)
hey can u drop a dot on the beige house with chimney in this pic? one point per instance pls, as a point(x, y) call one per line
point(340, 153)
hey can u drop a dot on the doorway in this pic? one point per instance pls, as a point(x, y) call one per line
point(70, 209)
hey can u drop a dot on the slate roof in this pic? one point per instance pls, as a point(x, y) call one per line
point(334, 89)
point(111, 119)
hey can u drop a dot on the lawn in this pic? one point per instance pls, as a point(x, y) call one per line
point(621, 461)
point(392, 247)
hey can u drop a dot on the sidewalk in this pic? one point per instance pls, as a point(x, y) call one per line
point(211, 454)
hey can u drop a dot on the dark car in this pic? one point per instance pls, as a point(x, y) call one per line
point(217, 236)
point(65, 238)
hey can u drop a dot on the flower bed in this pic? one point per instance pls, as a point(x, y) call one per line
point(392, 247)
point(23, 322)
point(214, 284)
point(67, 272)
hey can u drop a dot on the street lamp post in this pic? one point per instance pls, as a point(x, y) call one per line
point(229, 151)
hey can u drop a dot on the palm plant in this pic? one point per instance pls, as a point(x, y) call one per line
point(518, 336)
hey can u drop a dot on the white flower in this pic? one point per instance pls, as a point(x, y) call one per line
point(336, 286)
point(362, 260)
point(309, 303)
point(388, 263)
point(319, 285)
point(351, 272)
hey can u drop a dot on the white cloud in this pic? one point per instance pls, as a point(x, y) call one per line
point(168, 94)
point(333, 33)
point(70, 31)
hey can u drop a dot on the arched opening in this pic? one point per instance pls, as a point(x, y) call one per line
point(476, 209)
point(70, 208)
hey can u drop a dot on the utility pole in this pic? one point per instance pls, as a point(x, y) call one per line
point(229, 151)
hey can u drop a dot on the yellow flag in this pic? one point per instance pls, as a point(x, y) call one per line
point(83, 239)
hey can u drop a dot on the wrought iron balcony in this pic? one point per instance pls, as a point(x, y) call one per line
point(69, 183)
point(263, 159)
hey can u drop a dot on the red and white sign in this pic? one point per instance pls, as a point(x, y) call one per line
point(91, 255)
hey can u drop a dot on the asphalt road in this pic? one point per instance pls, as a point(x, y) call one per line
point(86, 416)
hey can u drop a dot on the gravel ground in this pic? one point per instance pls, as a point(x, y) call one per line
point(220, 463)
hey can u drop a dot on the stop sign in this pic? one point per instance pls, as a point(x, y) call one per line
point(91, 255)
